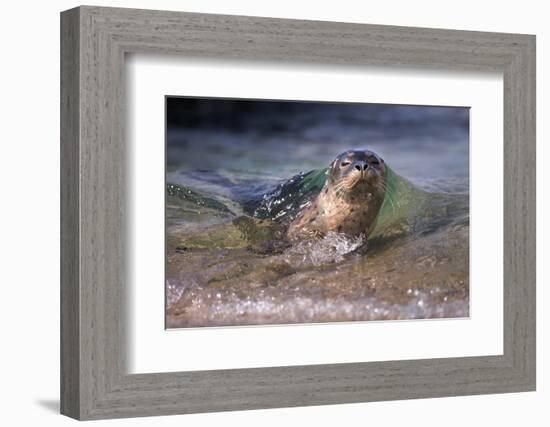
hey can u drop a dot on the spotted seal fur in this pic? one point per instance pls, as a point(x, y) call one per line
point(349, 201)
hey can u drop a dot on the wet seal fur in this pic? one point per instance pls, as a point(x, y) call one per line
point(349, 201)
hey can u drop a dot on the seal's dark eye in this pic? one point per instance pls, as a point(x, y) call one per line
point(344, 164)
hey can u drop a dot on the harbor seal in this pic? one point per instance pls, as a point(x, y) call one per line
point(350, 199)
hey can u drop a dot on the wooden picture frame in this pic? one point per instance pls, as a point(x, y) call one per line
point(94, 382)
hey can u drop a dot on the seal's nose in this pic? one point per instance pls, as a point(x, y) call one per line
point(361, 166)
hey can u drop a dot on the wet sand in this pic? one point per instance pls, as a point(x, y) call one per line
point(322, 280)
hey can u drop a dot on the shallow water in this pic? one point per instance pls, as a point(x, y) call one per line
point(230, 194)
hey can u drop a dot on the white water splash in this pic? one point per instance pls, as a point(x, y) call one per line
point(328, 249)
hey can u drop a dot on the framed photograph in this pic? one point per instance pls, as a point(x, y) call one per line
point(273, 208)
point(262, 213)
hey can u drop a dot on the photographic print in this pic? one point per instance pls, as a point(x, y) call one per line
point(293, 212)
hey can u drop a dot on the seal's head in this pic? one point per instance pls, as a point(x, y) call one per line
point(356, 172)
point(349, 201)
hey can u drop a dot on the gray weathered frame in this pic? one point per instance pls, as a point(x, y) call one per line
point(94, 41)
